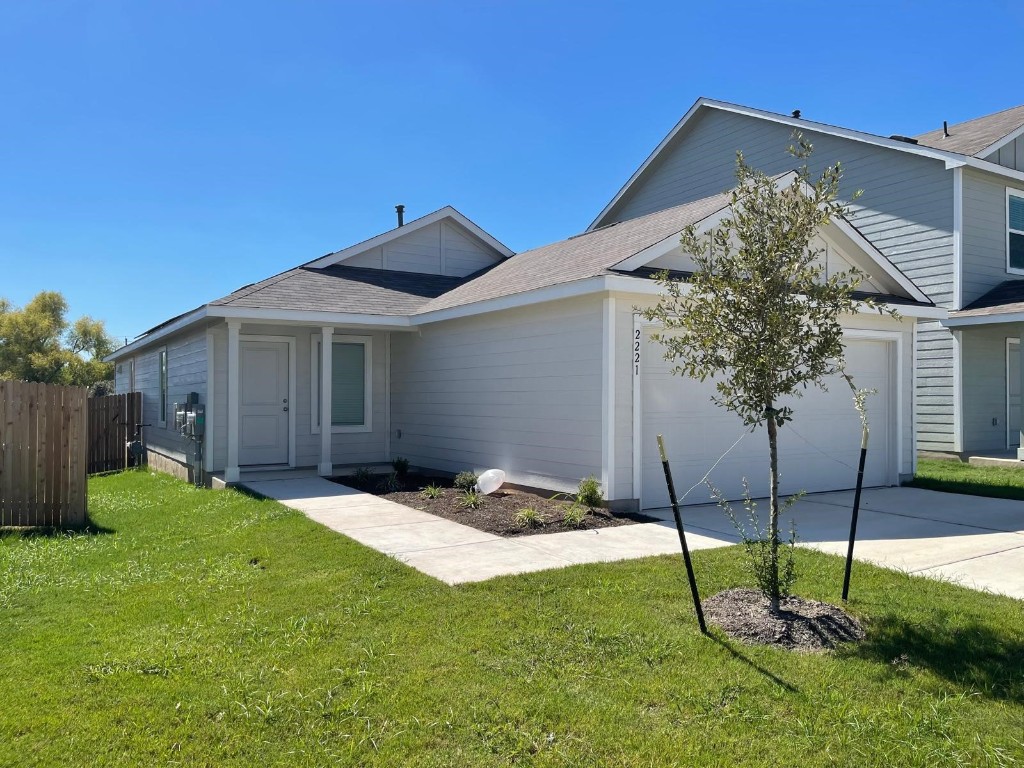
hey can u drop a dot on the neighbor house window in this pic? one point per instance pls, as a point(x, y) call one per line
point(163, 387)
point(1015, 231)
point(350, 383)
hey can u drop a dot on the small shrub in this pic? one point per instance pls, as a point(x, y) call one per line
point(471, 500)
point(389, 484)
point(432, 491)
point(362, 477)
point(465, 481)
point(401, 466)
point(575, 515)
point(589, 493)
point(528, 517)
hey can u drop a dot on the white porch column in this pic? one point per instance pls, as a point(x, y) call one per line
point(1020, 351)
point(231, 472)
point(326, 467)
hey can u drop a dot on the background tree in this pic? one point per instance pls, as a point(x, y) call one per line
point(38, 344)
point(760, 315)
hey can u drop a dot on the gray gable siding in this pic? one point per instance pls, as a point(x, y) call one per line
point(984, 236)
point(906, 211)
point(1011, 155)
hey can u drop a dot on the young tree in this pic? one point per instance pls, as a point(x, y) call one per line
point(37, 344)
point(760, 315)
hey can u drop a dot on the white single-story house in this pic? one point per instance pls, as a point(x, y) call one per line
point(434, 342)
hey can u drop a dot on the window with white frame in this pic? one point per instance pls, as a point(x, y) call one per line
point(350, 383)
point(1015, 231)
point(163, 387)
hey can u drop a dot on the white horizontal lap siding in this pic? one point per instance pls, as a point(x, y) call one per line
point(984, 237)
point(122, 377)
point(418, 251)
point(519, 390)
point(936, 388)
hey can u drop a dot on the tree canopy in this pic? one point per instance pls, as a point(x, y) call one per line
point(38, 343)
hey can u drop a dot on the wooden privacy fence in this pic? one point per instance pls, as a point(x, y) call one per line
point(112, 421)
point(42, 454)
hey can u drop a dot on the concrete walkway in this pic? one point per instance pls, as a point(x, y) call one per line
point(975, 541)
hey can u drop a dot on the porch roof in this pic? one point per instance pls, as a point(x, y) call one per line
point(339, 288)
point(1002, 304)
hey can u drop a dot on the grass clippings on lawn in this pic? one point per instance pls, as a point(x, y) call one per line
point(957, 477)
point(210, 628)
point(800, 625)
point(497, 511)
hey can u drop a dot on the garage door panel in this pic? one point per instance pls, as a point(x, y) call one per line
point(819, 451)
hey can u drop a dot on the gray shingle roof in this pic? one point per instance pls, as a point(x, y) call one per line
point(1006, 297)
point(587, 255)
point(972, 136)
point(343, 289)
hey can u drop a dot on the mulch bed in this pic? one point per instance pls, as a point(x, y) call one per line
point(800, 625)
point(497, 513)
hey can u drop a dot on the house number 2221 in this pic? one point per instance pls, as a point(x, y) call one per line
point(636, 351)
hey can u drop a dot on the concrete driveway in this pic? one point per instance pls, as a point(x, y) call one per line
point(975, 541)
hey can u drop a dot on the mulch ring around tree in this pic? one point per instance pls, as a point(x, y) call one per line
point(801, 624)
point(497, 513)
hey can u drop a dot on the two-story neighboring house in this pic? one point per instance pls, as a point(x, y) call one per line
point(946, 207)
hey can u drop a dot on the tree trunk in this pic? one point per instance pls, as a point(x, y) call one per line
point(773, 522)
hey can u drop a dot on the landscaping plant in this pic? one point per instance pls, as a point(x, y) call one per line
point(575, 515)
point(471, 499)
point(528, 517)
point(389, 483)
point(589, 492)
point(401, 466)
point(760, 314)
point(432, 491)
point(465, 481)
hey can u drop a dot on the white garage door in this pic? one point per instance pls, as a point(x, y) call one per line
point(818, 451)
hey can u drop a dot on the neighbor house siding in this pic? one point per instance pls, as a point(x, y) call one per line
point(519, 390)
point(984, 236)
point(984, 365)
point(906, 211)
point(1011, 155)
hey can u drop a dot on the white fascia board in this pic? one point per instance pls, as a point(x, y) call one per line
point(568, 290)
point(951, 158)
point(993, 168)
point(1006, 317)
point(424, 221)
point(306, 317)
point(144, 341)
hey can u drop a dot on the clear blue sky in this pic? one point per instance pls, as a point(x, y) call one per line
point(154, 156)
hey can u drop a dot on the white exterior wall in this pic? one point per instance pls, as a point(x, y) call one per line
point(520, 390)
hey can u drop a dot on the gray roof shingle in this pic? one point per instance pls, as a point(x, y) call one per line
point(587, 255)
point(339, 288)
point(1006, 297)
point(972, 136)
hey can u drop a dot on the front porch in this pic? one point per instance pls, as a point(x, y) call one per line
point(296, 398)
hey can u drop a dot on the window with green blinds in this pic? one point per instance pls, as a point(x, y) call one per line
point(1015, 236)
point(348, 385)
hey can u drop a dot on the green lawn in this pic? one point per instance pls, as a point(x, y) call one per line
point(209, 628)
point(955, 477)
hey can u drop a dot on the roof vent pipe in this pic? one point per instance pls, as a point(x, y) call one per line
point(400, 210)
point(796, 113)
point(945, 129)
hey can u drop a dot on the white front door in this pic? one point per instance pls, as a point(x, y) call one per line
point(1012, 393)
point(263, 407)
